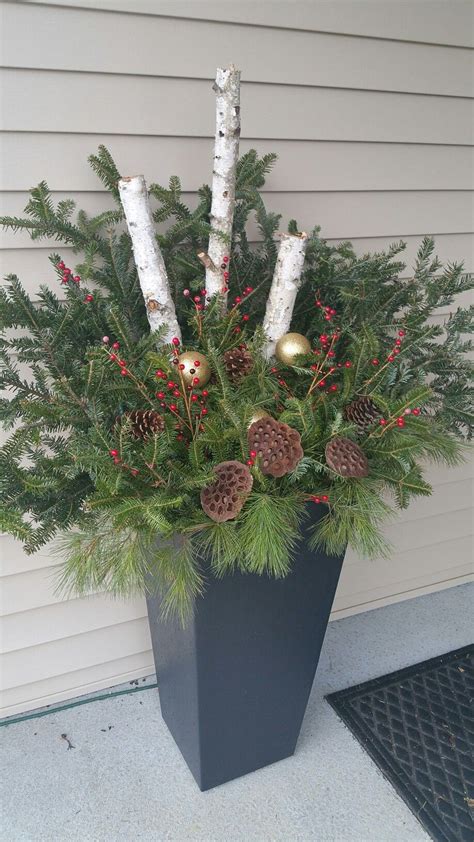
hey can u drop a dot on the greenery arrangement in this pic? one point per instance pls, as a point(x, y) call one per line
point(149, 458)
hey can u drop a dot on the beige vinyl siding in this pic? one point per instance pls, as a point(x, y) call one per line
point(369, 108)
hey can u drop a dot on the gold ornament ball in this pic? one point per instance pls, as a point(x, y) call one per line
point(191, 370)
point(257, 416)
point(290, 346)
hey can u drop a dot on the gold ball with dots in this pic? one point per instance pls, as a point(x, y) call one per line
point(257, 416)
point(195, 365)
point(290, 346)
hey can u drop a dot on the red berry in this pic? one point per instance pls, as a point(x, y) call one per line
point(180, 437)
point(225, 259)
point(348, 364)
point(316, 499)
point(173, 407)
point(105, 340)
point(67, 271)
point(237, 299)
point(116, 346)
point(248, 290)
point(122, 363)
point(331, 353)
point(112, 356)
point(89, 298)
point(312, 367)
point(204, 393)
point(226, 276)
point(160, 395)
point(195, 381)
point(323, 338)
point(390, 358)
point(171, 385)
point(322, 384)
point(328, 317)
point(250, 462)
point(253, 454)
point(375, 362)
point(382, 422)
point(61, 265)
point(197, 298)
point(124, 372)
point(396, 350)
point(117, 461)
point(134, 472)
point(401, 333)
point(400, 422)
point(333, 388)
point(199, 307)
point(204, 292)
point(159, 373)
point(245, 318)
point(398, 342)
point(77, 279)
point(325, 498)
point(318, 303)
point(113, 452)
point(175, 341)
point(163, 404)
point(186, 293)
point(194, 398)
point(416, 411)
point(197, 363)
point(176, 393)
point(204, 411)
point(333, 311)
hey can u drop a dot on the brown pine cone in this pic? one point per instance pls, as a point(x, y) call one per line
point(346, 458)
point(363, 412)
point(238, 362)
point(223, 499)
point(144, 422)
point(277, 445)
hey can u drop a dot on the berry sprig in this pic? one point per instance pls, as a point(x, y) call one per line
point(396, 421)
point(67, 275)
point(328, 311)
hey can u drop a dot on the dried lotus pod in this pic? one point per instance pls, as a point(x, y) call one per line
point(223, 499)
point(144, 422)
point(238, 363)
point(363, 412)
point(346, 458)
point(278, 446)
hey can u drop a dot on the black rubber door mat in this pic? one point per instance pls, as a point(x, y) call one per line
point(418, 726)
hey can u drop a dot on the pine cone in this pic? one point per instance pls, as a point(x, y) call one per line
point(238, 362)
point(346, 458)
point(144, 422)
point(223, 499)
point(363, 412)
point(278, 446)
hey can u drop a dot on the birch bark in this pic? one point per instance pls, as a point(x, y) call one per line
point(226, 153)
point(284, 289)
point(149, 261)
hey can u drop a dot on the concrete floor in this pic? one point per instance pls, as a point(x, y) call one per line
point(125, 779)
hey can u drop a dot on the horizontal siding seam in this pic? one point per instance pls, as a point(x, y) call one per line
point(248, 138)
point(250, 25)
point(245, 82)
point(65, 636)
point(269, 192)
point(464, 576)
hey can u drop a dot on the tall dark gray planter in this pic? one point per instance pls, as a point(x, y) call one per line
point(235, 682)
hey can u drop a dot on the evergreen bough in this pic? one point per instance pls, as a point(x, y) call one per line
point(134, 520)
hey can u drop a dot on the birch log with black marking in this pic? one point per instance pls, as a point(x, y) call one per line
point(149, 261)
point(226, 153)
point(284, 289)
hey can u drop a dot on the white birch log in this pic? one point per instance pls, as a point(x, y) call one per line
point(226, 153)
point(284, 289)
point(149, 261)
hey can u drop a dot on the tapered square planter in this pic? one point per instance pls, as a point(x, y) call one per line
point(234, 683)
